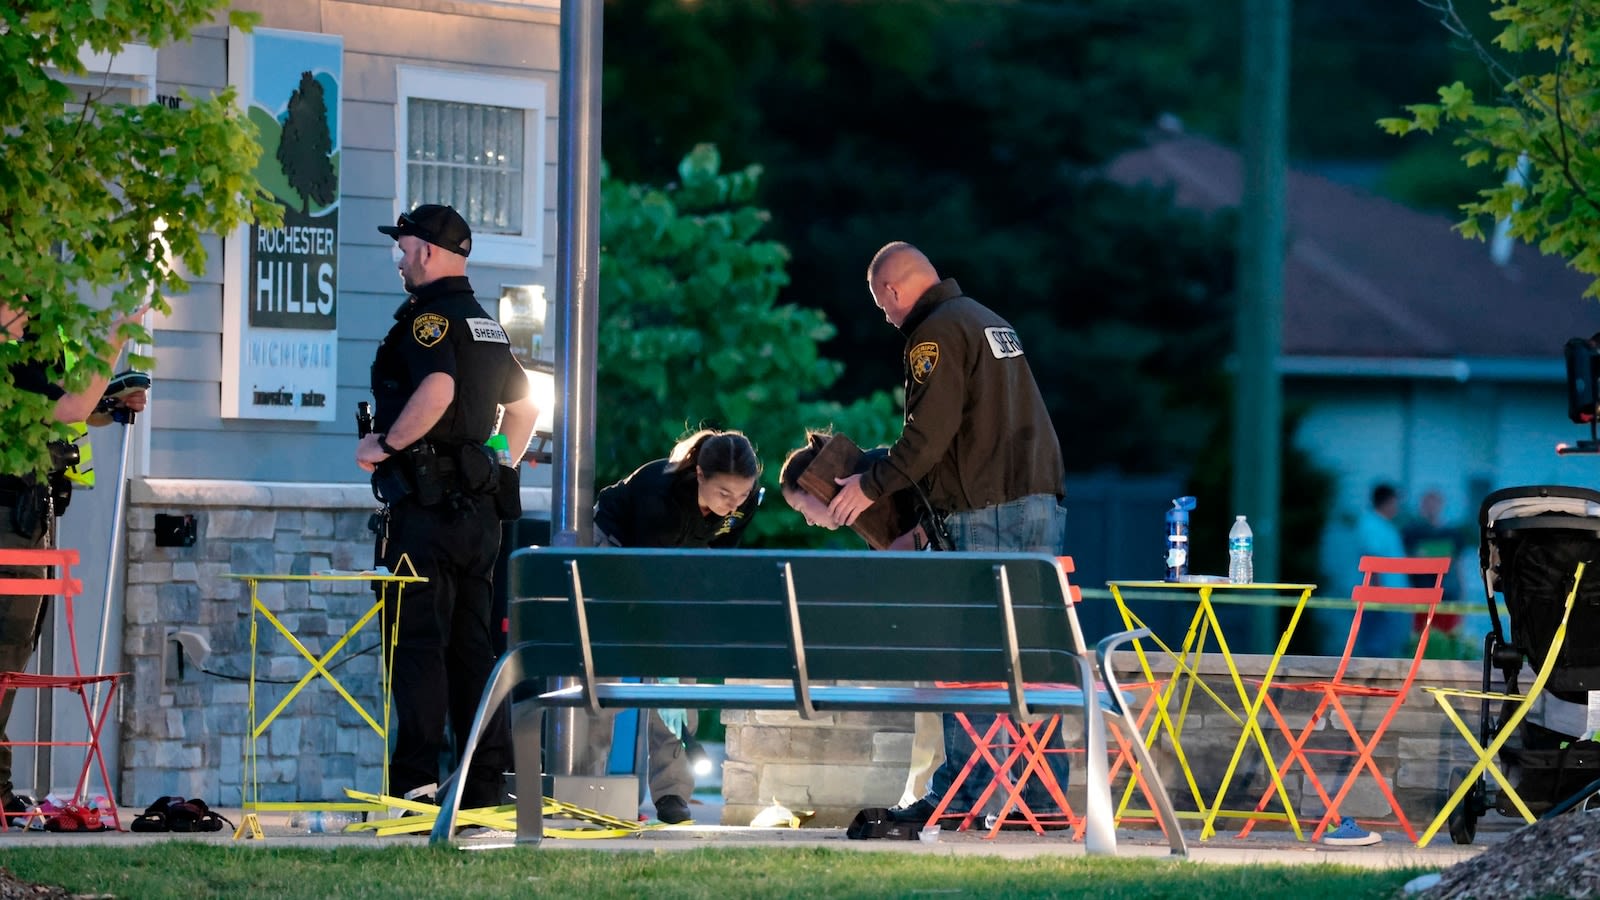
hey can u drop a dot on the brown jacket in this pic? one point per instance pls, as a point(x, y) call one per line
point(977, 433)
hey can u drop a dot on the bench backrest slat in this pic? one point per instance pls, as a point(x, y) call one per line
point(864, 616)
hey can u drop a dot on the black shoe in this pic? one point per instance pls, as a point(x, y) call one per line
point(17, 810)
point(917, 813)
point(671, 809)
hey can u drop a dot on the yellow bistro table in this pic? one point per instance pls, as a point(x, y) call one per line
point(1204, 626)
point(252, 805)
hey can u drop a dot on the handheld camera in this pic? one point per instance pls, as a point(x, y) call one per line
point(119, 389)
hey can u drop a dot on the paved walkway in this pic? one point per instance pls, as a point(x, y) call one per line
point(1277, 848)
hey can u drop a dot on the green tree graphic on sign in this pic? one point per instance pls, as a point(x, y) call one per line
point(306, 145)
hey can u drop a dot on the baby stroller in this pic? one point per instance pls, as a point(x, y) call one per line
point(1532, 539)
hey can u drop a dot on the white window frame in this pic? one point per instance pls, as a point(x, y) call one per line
point(133, 69)
point(527, 94)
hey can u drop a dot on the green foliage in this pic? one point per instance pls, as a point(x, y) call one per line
point(94, 195)
point(1427, 177)
point(1547, 116)
point(695, 336)
point(976, 131)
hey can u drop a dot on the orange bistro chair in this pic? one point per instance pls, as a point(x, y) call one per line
point(1333, 694)
point(1006, 742)
point(64, 586)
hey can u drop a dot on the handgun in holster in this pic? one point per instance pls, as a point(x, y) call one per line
point(63, 456)
point(413, 472)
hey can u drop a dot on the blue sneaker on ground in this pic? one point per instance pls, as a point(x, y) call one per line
point(1349, 834)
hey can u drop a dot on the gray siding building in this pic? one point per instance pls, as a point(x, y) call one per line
point(447, 101)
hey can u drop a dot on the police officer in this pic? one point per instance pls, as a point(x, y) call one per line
point(441, 377)
point(28, 507)
point(977, 435)
point(703, 494)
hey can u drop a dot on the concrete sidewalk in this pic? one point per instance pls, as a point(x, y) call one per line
point(1274, 848)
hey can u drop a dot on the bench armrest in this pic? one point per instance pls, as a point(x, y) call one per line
point(1102, 655)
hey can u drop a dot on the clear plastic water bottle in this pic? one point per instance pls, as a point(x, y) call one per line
point(318, 821)
point(1241, 549)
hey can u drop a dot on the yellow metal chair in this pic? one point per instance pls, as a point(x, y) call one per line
point(1486, 755)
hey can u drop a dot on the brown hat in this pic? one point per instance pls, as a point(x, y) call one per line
point(439, 225)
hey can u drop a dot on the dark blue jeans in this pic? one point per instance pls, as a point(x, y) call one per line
point(1032, 524)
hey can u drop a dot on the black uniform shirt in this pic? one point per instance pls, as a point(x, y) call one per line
point(32, 376)
point(441, 328)
point(656, 508)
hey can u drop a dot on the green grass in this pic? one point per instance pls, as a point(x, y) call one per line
point(190, 870)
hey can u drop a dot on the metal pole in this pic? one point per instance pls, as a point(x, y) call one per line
point(111, 564)
point(577, 305)
point(1258, 334)
point(44, 714)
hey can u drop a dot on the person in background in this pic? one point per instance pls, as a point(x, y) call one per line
point(29, 507)
point(703, 494)
point(977, 438)
point(1383, 634)
point(1431, 535)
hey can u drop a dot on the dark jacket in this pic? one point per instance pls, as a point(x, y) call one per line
point(656, 508)
point(976, 433)
point(441, 328)
point(32, 376)
point(907, 505)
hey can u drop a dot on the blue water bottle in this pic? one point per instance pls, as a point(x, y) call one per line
point(1178, 538)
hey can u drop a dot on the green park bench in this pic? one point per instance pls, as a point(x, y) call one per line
point(811, 626)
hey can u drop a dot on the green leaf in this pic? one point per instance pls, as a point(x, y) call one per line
point(84, 183)
point(694, 336)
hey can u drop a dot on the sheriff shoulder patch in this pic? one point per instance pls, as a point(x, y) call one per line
point(429, 328)
point(487, 330)
point(923, 358)
point(1003, 342)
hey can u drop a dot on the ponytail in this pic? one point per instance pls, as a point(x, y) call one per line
point(800, 459)
point(716, 453)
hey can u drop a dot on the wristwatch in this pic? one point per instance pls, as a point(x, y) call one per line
point(383, 444)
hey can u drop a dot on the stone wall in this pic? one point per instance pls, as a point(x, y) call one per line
point(184, 728)
point(838, 764)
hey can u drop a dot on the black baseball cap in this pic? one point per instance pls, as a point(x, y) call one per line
point(439, 225)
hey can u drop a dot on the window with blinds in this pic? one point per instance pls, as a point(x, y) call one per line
point(475, 142)
point(470, 157)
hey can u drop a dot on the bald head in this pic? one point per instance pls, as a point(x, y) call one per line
point(897, 276)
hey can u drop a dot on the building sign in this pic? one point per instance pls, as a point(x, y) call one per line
point(281, 318)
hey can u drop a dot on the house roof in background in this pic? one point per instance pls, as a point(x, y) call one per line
point(1368, 282)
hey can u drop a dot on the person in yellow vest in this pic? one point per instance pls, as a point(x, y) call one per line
point(28, 507)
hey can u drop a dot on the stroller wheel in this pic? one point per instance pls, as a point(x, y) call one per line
point(1463, 819)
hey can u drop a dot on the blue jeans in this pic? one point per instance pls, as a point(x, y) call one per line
point(1032, 524)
